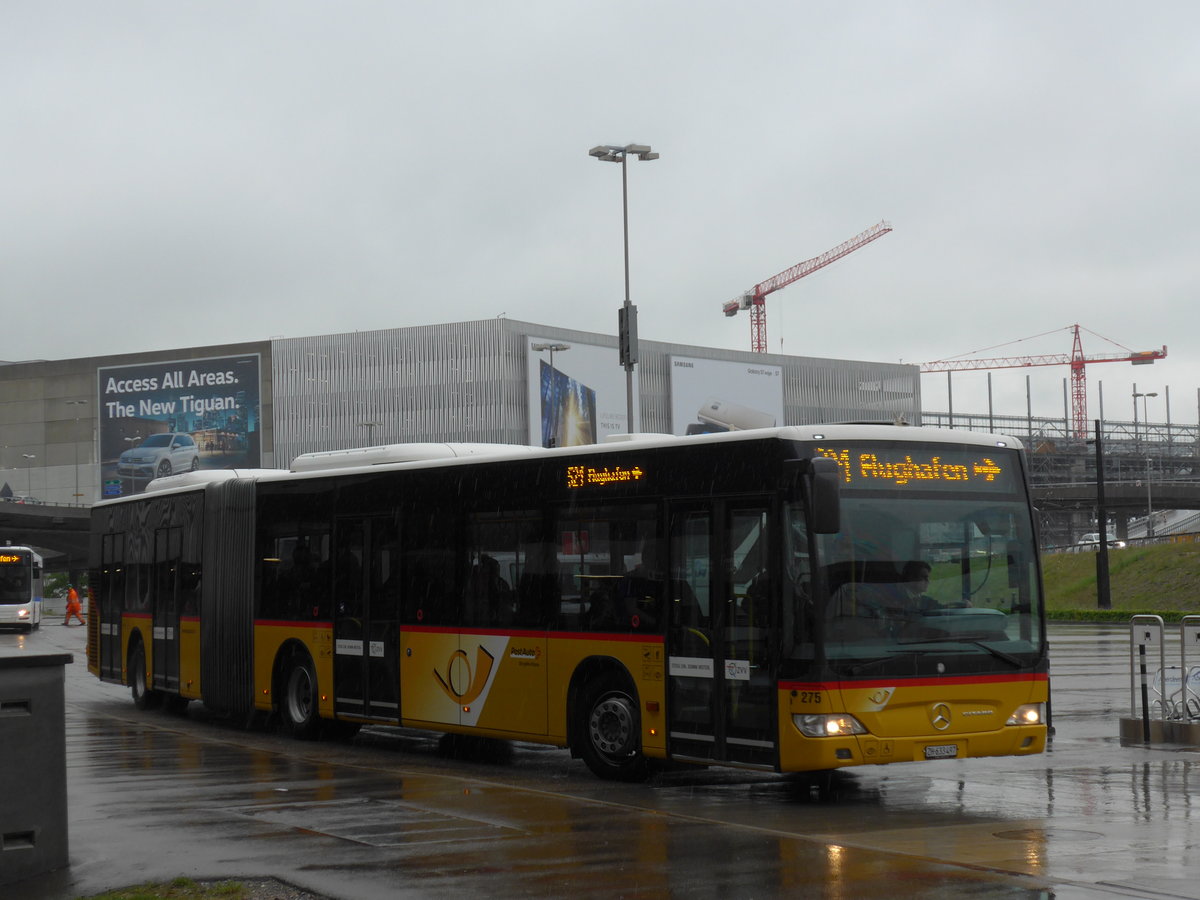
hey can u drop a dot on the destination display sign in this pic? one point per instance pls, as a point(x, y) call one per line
point(8, 559)
point(936, 468)
point(602, 476)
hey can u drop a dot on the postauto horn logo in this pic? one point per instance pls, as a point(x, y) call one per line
point(463, 682)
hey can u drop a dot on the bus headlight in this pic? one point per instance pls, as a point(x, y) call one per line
point(1028, 714)
point(828, 726)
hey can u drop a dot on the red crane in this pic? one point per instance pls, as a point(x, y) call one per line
point(1076, 360)
point(755, 299)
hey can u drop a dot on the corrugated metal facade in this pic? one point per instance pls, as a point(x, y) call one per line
point(467, 382)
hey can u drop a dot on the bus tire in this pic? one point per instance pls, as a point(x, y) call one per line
point(300, 708)
point(144, 697)
point(609, 730)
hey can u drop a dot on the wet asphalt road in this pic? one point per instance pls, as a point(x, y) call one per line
point(154, 796)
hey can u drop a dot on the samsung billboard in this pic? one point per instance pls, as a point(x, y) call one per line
point(710, 395)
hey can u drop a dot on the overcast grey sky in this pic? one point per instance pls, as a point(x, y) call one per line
point(188, 173)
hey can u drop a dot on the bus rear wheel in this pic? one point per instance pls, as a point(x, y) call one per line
point(301, 715)
point(139, 686)
point(609, 731)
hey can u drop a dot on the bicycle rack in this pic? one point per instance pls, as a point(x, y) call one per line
point(1164, 699)
point(1189, 638)
point(1146, 637)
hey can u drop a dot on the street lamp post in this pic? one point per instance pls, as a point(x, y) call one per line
point(132, 442)
point(1137, 439)
point(1149, 503)
point(1145, 412)
point(628, 316)
point(560, 348)
point(75, 444)
point(1146, 420)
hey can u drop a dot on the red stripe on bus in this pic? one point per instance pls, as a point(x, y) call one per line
point(912, 682)
point(287, 623)
point(553, 635)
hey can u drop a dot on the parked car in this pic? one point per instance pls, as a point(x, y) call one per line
point(1093, 537)
point(160, 455)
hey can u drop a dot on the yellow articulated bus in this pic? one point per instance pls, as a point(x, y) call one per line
point(787, 599)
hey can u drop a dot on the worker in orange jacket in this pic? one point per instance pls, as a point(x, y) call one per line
point(74, 607)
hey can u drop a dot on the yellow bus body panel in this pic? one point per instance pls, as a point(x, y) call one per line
point(189, 658)
point(478, 680)
point(317, 640)
point(644, 660)
point(136, 624)
point(516, 685)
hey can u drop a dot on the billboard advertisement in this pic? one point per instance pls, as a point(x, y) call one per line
point(711, 395)
point(576, 393)
point(158, 419)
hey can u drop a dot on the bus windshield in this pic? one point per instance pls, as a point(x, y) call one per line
point(936, 583)
point(14, 581)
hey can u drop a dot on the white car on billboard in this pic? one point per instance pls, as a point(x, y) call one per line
point(160, 455)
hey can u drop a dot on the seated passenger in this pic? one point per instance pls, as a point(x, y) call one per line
point(640, 592)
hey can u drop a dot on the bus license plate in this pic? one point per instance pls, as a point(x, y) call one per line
point(941, 751)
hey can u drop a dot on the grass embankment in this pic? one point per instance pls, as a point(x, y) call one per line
point(179, 889)
point(1163, 579)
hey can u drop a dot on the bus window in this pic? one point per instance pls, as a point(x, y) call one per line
point(614, 568)
point(497, 562)
point(429, 572)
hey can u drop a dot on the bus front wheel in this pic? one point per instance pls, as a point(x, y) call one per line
point(609, 731)
point(139, 686)
point(300, 710)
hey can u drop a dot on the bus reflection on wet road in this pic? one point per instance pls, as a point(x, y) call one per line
point(393, 814)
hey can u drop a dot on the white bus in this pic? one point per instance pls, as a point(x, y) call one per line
point(20, 588)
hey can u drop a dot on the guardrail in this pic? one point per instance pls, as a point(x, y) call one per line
point(1191, 537)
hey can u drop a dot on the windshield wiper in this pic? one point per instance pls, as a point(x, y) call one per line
point(859, 668)
point(1015, 661)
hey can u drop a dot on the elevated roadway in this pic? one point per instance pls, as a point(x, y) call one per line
point(60, 533)
point(1124, 496)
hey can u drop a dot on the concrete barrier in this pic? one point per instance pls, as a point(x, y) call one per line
point(33, 764)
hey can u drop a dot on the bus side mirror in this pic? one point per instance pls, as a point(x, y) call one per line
point(818, 481)
point(1015, 559)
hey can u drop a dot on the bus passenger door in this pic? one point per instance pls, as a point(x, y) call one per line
point(111, 596)
point(721, 689)
point(366, 672)
point(168, 553)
